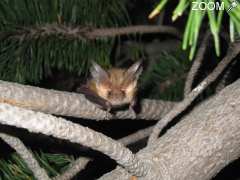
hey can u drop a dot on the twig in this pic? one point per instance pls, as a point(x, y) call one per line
point(223, 81)
point(233, 51)
point(60, 128)
point(85, 33)
point(73, 169)
point(26, 155)
point(196, 65)
point(73, 104)
point(141, 29)
point(139, 135)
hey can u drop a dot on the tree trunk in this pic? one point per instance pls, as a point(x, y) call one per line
point(198, 147)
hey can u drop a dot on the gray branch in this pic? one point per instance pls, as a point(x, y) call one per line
point(73, 169)
point(26, 155)
point(196, 65)
point(72, 104)
point(60, 128)
point(224, 79)
point(233, 51)
point(81, 162)
point(85, 32)
point(139, 135)
point(197, 148)
point(200, 145)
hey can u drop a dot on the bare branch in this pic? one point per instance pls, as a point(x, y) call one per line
point(139, 135)
point(223, 81)
point(233, 51)
point(26, 155)
point(196, 65)
point(60, 128)
point(81, 162)
point(73, 169)
point(198, 147)
point(141, 29)
point(85, 33)
point(72, 104)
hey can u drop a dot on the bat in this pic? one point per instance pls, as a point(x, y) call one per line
point(113, 88)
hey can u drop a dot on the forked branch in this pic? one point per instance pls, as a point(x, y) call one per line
point(233, 51)
point(205, 141)
point(63, 129)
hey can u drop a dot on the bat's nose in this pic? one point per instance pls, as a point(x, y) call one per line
point(117, 97)
point(117, 94)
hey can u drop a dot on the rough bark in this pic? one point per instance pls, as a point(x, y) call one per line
point(60, 128)
point(200, 145)
point(73, 104)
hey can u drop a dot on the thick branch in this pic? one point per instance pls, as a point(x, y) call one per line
point(72, 104)
point(63, 129)
point(85, 33)
point(26, 155)
point(81, 162)
point(233, 51)
point(200, 145)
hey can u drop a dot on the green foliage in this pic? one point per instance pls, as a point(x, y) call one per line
point(195, 18)
point(166, 76)
point(25, 57)
point(14, 168)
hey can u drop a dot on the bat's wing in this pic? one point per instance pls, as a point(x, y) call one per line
point(93, 97)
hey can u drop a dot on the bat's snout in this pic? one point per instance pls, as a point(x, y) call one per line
point(117, 97)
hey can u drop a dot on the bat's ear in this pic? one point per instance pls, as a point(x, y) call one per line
point(97, 72)
point(135, 70)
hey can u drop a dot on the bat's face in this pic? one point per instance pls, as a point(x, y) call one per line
point(117, 86)
point(116, 94)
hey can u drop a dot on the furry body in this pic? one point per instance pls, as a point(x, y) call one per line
point(113, 88)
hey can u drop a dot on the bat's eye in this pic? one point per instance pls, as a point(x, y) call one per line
point(123, 91)
point(109, 93)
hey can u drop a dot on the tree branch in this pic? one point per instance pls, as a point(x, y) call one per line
point(196, 65)
point(233, 51)
point(139, 135)
point(73, 169)
point(73, 104)
point(60, 128)
point(223, 81)
point(81, 162)
point(200, 145)
point(84, 33)
point(26, 155)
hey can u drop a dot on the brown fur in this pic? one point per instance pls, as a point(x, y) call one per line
point(119, 88)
